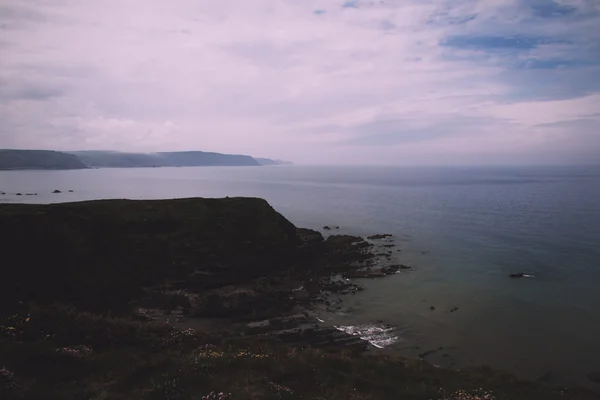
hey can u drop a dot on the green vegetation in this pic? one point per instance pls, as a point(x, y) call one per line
point(59, 353)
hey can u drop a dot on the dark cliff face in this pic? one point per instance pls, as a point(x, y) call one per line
point(101, 254)
point(38, 159)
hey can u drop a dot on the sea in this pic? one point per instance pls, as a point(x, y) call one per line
point(462, 229)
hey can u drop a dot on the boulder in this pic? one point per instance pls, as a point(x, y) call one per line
point(520, 275)
point(57, 191)
point(327, 228)
point(392, 269)
point(380, 236)
point(400, 266)
point(19, 194)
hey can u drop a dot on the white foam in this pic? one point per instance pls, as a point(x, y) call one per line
point(378, 336)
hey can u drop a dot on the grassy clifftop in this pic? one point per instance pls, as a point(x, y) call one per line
point(99, 254)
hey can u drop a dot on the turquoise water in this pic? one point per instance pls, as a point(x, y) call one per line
point(463, 229)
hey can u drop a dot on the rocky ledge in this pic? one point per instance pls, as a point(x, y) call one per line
point(212, 257)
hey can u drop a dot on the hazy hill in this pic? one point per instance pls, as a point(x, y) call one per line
point(201, 158)
point(268, 161)
point(113, 159)
point(38, 159)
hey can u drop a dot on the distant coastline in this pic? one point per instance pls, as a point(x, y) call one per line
point(57, 160)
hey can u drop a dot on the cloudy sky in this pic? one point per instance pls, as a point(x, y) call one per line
point(313, 81)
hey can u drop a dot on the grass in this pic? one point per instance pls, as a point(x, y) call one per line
point(59, 353)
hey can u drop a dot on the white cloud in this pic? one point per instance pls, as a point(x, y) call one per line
point(274, 78)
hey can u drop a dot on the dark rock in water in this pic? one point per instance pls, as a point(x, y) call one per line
point(389, 245)
point(432, 308)
point(594, 377)
point(392, 269)
point(31, 194)
point(327, 228)
point(380, 236)
point(454, 309)
point(337, 227)
point(400, 266)
point(341, 287)
point(57, 191)
point(378, 273)
point(346, 240)
point(548, 377)
point(71, 191)
point(520, 275)
point(427, 353)
point(19, 194)
point(2, 193)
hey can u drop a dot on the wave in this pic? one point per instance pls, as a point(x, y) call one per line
point(377, 335)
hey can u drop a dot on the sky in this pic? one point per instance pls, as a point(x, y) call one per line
point(312, 81)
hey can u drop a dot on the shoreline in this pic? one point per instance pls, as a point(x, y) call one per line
point(223, 288)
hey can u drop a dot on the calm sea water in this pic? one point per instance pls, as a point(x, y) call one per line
point(463, 229)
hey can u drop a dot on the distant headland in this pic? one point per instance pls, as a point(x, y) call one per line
point(48, 159)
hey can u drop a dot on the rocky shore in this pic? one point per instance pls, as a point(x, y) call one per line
point(178, 298)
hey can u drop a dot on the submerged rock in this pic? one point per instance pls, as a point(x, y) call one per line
point(548, 377)
point(594, 377)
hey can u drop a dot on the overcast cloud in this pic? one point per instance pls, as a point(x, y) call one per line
point(313, 81)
